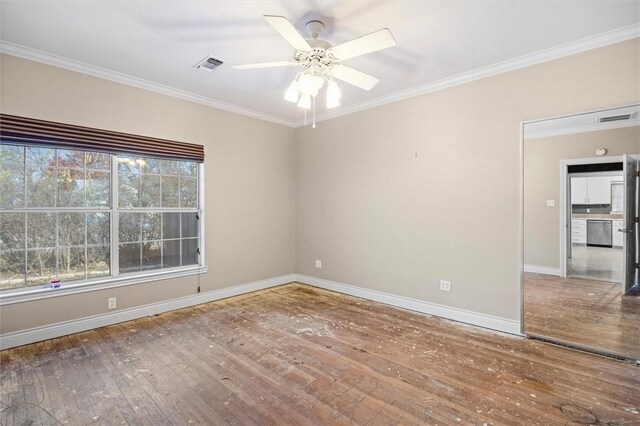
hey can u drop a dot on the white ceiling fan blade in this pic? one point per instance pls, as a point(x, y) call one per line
point(354, 77)
point(264, 65)
point(286, 30)
point(378, 40)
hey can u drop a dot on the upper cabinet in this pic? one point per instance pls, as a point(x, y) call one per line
point(599, 190)
point(591, 190)
point(579, 192)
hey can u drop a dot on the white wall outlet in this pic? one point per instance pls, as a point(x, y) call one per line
point(319, 264)
point(112, 303)
point(445, 285)
point(551, 203)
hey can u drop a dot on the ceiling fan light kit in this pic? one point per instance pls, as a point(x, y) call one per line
point(322, 61)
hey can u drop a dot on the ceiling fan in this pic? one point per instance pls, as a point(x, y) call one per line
point(322, 61)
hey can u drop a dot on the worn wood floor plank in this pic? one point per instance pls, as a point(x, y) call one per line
point(294, 355)
point(589, 313)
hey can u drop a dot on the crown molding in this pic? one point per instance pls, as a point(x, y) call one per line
point(568, 49)
point(81, 67)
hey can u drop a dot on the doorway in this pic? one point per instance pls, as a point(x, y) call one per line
point(580, 231)
point(594, 210)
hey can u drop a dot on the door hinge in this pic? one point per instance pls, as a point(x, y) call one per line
point(197, 216)
point(637, 220)
point(198, 250)
point(636, 265)
point(637, 173)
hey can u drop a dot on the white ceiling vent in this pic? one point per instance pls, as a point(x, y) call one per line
point(208, 64)
point(619, 117)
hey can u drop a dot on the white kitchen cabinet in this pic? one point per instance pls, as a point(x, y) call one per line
point(599, 190)
point(591, 190)
point(579, 192)
point(617, 237)
point(579, 231)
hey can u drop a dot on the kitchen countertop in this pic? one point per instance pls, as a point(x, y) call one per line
point(597, 216)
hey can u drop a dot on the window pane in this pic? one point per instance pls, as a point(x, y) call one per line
point(188, 168)
point(130, 229)
point(152, 165)
point(71, 263)
point(41, 156)
point(72, 159)
point(12, 269)
point(98, 228)
point(11, 154)
point(189, 252)
point(129, 165)
point(188, 192)
point(41, 266)
point(11, 186)
point(71, 229)
point(170, 167)
point(150, 189)
point(151, 256)
point(128, 184)
point(41, 230)
point(98, 261)
point(189, 225)
point(171, 254)
point(170, 225)
point(41, 186)
point(151, 226)
point(12, 231)
point(129, 257)
point(97, 160)
point(170, 191)
point(70, 188)
point(98, 189)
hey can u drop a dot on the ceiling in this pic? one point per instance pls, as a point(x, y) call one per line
point(158, 42)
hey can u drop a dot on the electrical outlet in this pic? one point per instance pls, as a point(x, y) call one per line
point(551, 203)
point(112, 303)
point(445, 285)
point(319, 264)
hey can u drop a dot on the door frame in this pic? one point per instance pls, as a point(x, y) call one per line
point(565, 202)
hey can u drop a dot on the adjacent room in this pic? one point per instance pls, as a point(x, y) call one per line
point(319, 212)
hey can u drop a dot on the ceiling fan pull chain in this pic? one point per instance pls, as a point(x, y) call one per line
point(305, 117)
point(314, 112)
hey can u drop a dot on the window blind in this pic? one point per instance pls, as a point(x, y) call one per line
point(32, 131)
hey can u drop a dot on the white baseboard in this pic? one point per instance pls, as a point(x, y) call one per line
point(542, 270)
point(469, 317)
point(37, 334)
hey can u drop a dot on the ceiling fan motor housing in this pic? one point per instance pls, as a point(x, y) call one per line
point(314, 28)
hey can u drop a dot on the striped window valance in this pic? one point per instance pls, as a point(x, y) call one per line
point(31, 131)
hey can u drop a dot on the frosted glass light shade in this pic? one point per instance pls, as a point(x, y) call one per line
point(333, 95)
point(310, 84)
point(305, 101)
point(291, 94)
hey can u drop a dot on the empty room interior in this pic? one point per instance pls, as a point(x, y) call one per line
point(319, 212)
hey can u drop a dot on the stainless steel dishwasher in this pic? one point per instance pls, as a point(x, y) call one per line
point(599, 233)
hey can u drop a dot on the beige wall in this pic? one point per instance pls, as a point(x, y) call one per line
point(249, 181)
point(383, 219)
point(351, 192)
point(542, 182)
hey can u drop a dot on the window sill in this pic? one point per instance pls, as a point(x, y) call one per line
point(98, 284)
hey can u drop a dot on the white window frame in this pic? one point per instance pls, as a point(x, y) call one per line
point(116, 279)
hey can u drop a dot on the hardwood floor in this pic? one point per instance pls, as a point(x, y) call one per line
point(586, 312)
point(295, 355)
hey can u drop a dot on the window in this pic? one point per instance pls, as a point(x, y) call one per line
point(80, 216)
